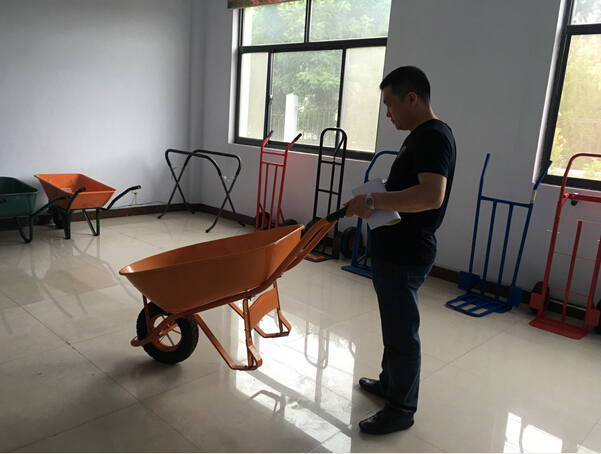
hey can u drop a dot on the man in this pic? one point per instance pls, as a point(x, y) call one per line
point(418, 187)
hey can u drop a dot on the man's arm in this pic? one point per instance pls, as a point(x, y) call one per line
point(427, 195)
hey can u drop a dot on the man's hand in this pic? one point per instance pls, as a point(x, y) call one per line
point(356, 207)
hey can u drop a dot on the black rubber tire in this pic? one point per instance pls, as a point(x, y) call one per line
point(260, 221)
point(175, 345)
point(310, 224)
point(598, 327)
point(288, 222)
point(538, 288)
point(57, 218)
point(347, 243)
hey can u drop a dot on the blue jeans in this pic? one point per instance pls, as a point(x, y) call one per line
point(397, 289)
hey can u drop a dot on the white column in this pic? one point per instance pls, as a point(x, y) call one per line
point(291, 119)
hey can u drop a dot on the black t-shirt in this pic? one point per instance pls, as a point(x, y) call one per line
point(430, 148)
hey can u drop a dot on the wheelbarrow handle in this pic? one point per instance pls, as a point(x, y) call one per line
point(73, 197)
point(49, 204)
point(336, 215)
point(133, 188)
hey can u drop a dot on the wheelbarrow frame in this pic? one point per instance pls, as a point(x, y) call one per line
point(62, 214)
point(267, 300)
point(25, 202)
point(540, 301)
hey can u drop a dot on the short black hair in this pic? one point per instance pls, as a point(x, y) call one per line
point(406, 79)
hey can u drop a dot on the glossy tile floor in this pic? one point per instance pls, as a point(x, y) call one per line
point(71, 381)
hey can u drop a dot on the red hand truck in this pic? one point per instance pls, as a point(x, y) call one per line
point(272, 172)
point(540, 298)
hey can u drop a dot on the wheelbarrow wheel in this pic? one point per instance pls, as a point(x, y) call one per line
point(347, 242)
point(598, 327)
point(57, 218)
point(174, 344)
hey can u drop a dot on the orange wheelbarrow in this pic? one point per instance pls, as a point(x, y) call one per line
point(81, 193)
point(179, 284)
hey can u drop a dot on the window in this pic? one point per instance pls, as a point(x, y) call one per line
point(574, 123)
point(308, 65)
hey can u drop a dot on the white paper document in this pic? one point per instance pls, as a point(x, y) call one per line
point(378, 218)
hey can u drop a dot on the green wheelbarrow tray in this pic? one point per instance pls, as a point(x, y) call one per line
point(17, 199)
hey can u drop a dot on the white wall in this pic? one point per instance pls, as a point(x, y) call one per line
point(94, 87)
point(104, 87)
point(488, 63)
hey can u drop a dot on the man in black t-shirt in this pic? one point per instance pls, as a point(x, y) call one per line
point(402, 255)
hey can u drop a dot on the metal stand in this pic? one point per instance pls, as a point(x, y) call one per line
point(204, 154)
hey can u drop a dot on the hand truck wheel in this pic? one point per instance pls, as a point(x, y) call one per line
point(310, 224)
point(347, 243)
point(174, 344)
point(538, 288)
point(263, 224)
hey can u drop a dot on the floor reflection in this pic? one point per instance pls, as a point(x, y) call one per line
point(523, 437)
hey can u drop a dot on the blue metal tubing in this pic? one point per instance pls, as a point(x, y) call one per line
point(355, 260)
point(471, 269)
point(511, 205)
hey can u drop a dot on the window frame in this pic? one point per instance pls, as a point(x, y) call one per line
point(305, 46)
point(567, 31)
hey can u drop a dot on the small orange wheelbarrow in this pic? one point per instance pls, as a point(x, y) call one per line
point(179, 284)
point(80, 193)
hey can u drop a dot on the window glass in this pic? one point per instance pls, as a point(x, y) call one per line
point(587, 12)
point(578, 128)
point(361, 96)
point(303, 74)
point(349, 19)
point(306, 87)
point(280, 23)
point(253, 84)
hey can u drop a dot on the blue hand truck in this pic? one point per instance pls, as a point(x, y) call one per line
point(475, 302)
point(359, 264)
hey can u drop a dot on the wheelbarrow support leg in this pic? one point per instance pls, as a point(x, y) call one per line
point(26, 238)
point(254, 358)
point(262, 306)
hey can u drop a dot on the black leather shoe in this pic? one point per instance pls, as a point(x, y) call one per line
point(372, 386)
point(383, 423)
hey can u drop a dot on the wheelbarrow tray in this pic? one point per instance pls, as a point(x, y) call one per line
point(189, 280)
point(96, 194)
point(193, 276)
point(17, 198)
